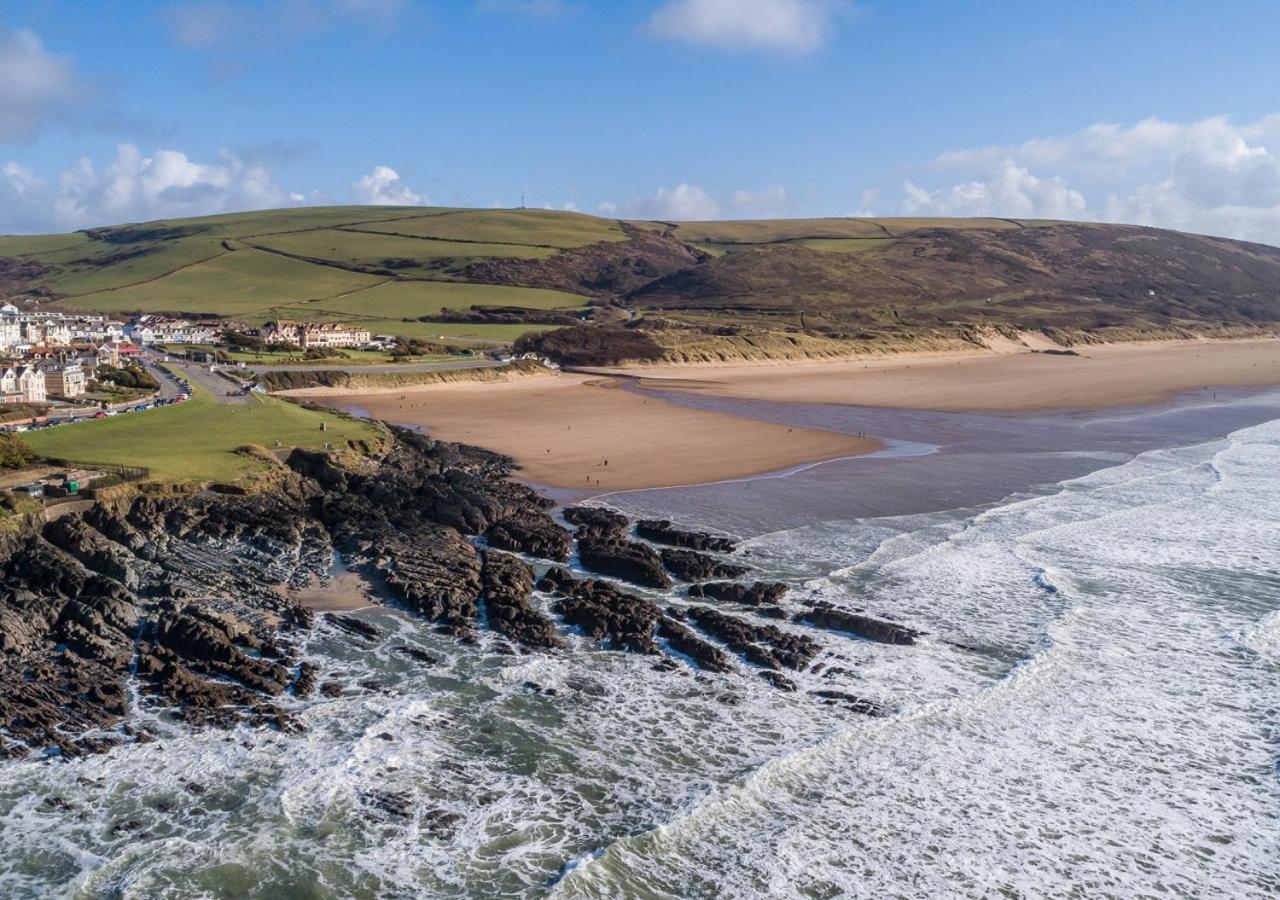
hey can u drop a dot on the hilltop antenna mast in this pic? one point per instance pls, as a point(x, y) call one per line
point(522, 206)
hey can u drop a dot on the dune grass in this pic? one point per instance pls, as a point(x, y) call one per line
point(197, 440)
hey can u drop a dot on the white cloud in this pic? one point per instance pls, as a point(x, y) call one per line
point(780, 26)
point(1212, 176)
point(1006, 190)
point(769, 201)
point(684, 201)
point(133, 187)
point(384, 187)
point(34, 84)
point(691, 202)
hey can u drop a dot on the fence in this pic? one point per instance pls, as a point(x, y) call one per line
point(114, 473)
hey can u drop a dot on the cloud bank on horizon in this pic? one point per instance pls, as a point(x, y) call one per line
point(1211, 174)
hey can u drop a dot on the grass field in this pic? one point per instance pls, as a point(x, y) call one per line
point(410, 299)
point(245, 283)
point(365, 248)
point(197, 440)
point(531, 227)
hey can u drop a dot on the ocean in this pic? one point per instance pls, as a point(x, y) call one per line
point(1094, 709)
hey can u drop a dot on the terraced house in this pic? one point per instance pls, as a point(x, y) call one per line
point(311, 334)
point(24, 384)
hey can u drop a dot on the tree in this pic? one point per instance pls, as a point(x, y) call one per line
point(15, 453)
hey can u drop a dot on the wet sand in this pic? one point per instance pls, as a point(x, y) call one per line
point(344, 592)
point(579, 432)
point(1100, 377)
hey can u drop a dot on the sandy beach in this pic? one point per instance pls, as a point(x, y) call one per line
point(582, 432)
point(562, 429)
point(1100, 377)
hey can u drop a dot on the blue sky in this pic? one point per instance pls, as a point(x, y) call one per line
point(1161, 113)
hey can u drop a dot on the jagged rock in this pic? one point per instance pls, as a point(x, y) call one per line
point(662, 531)
point(849, 701)
point(778, 680)
point(530, 531)
point(605, 521)
point(826, 616)
point(705, 654)
point(764, 645)
point(507, 583)
point(352, 625)
point(603, 612)
point(758, 594)
point(631, 561)
point(690, 565)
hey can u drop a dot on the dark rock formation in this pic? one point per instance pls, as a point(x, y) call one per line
point(826, 616)
point(530, 531)
point(610, 554)
point(849, 701)
point(759, 594)
point(507, 583)
point(763, 645)
point(604, 612)
point(596, 518)
point(663, 532)
point(689, 565)
point(683, 640)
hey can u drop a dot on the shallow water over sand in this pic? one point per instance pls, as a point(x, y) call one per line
point(1094, 710)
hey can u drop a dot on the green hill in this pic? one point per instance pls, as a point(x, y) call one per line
point(710, 286)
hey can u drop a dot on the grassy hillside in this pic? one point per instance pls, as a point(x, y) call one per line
point(378, 266)
point(493, 275)
point(198, 440)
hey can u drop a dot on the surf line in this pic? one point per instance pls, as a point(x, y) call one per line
point(907, 449)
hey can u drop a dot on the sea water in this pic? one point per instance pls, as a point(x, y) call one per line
point(1093, 712)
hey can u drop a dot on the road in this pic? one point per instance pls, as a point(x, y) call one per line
point(388, 367)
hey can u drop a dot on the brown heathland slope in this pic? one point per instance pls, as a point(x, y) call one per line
point(1067, 276)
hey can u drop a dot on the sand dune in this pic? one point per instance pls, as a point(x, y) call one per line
point(1103, 376)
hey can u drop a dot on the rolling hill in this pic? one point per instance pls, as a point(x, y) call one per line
point(690, 290)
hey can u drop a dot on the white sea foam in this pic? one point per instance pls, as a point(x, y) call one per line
point(1093, 712)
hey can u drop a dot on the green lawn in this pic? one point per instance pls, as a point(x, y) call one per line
point(196, 440)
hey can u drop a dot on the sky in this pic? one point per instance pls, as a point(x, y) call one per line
point(1159, 113)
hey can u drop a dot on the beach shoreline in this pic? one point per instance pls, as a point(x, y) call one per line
point(622, 429)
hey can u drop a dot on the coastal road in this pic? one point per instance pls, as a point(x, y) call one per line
point(388, 367)
point(198, 373)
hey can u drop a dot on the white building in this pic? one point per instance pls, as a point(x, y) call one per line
point(313, 334)
point(28, 382)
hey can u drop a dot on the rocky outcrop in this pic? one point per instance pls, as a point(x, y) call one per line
point(507, 585)
point(763, 645)
point(603, 612)
point(661, 531)
point(621, 558)
point(762, 593)
point(682, 640)
point(531, 532)
point(690, 565)
point(827, 616)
